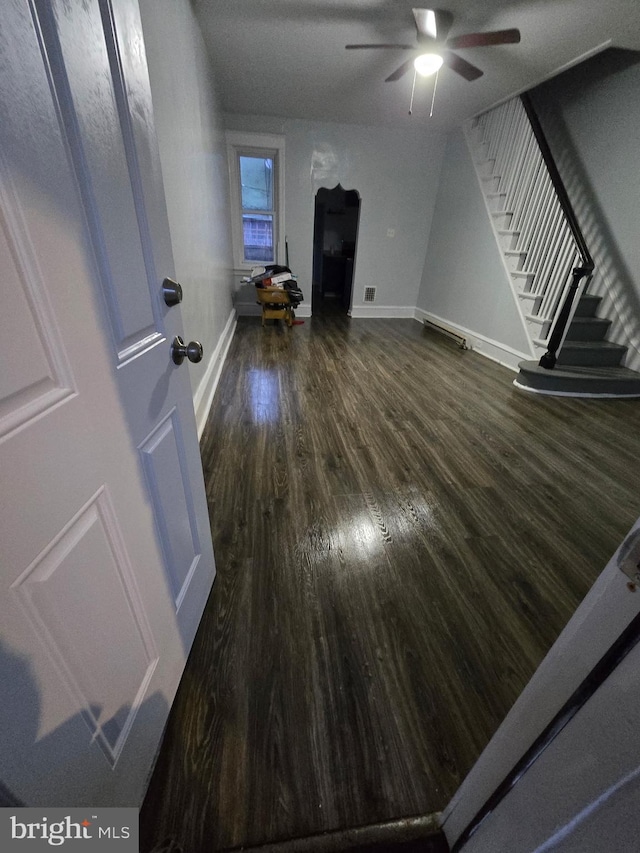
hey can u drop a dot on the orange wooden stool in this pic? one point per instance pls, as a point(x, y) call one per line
point(275, 304)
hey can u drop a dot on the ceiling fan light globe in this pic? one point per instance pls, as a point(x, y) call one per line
point(427, 63)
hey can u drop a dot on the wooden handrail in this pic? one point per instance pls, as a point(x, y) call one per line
point(586, 267)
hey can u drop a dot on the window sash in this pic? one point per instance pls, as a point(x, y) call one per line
point(265, 147)
point(261, 250)
point(270, 190)
point(249, 249)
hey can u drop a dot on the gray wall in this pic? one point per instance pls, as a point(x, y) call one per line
point(395, 172)
point(591, 116)
point(194, 168)
point(464, 280)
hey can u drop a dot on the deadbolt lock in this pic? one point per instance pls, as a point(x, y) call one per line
point(172, 292)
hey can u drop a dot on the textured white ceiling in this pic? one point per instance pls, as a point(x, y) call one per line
point(287, 57)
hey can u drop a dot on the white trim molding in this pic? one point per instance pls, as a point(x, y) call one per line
point(203, 398)
point(391, 312)
point(494, 350)
point(255, 144)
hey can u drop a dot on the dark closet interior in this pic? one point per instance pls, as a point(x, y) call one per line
point(334, 248)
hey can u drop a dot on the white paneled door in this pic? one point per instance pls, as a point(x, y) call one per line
point(105, 548)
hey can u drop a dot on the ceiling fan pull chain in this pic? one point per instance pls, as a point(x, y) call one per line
point(433, 97)
point(413, 88)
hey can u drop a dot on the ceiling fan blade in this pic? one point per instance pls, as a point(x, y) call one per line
point(485, 39)
point(378, 46)
point(399, 72)
point(444, 20)
point(432, 23)
point(461, 66)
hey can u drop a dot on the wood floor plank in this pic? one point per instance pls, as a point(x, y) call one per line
point(400, 536)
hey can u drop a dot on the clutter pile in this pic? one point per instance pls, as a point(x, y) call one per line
point(277, 292)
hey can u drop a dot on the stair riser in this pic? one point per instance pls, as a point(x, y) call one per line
point(531, 304)
point(602, 387)
point(588, 331)
point(485, 168)
point(481, 148)
point(588, 307)
point(509, 241)
point(496, 202)
point(523, 282)
point(538, 328)
point(502, 220)
point(492, 184)
point(515, 261)
point(590, 358)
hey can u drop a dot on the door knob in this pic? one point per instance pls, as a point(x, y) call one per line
point(179, 351)
point(172, 292)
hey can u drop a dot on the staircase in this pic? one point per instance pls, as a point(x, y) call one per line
point(547, 261)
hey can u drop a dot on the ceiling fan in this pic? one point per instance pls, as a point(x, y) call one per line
point(434, 48)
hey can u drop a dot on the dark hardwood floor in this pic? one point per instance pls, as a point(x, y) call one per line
point(400, 536)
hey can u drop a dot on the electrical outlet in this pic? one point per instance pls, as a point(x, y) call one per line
point(391, 232)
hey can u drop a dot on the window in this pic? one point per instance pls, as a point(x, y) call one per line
point(255, 169)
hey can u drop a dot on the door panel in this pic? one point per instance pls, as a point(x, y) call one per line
point(89, 555)
point(28, 387)
point(105, 161)
point(106, 557)
point(169, 487)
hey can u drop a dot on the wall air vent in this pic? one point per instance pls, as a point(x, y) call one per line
point(369, 294)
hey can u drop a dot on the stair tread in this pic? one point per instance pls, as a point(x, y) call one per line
point(591, 321)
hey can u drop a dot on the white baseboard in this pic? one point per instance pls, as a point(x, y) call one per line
point(203, 398)
point(390, 312)
point(496, 351)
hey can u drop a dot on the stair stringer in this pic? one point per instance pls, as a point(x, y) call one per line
point(481, 167)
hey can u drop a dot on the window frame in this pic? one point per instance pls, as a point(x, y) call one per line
point(245, 144)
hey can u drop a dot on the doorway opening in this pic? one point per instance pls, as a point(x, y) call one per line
point(335, 237)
